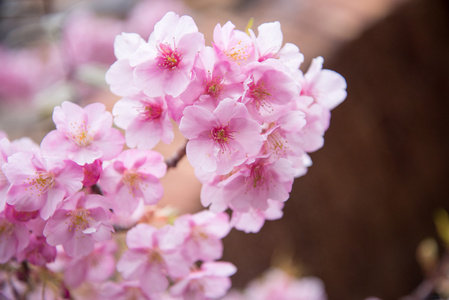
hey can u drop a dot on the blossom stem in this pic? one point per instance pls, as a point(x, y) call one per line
point(173, 161)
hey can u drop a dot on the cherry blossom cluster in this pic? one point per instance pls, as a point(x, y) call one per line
point(62, 200)
point(77, 212)
point(250, 115)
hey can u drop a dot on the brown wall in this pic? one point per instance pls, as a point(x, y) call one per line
point(356, 218)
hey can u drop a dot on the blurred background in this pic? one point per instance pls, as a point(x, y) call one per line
point(359, 216)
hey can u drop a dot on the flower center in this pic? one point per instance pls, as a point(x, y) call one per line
point(214, 87)
point(168, 58)
point(277, 143)
point(132, 180)
point(80, 219)
point(40, 184)
point(155, 257)
point(237, 53)
point(151, 111)
point(260, 95)
point(257, 177)
point(80, 134)
point(222, 135)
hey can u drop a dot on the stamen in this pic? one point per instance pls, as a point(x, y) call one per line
point(260, 96)
point(167, 57)
point(214, 87)
point(80, 219)
point(132, 180)
point(82, 135)
point(222, 135)
point(40, 184)
point(150, 112)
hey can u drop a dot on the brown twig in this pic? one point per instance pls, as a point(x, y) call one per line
point(173, 161)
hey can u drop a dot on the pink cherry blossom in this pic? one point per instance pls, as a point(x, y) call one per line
point(211, 281)
point(8, 148)
point(25, 73)
point(285, 139)
point(92, 173)
point(38, 252)
point(79, 223)
point(14, 237)
point(134, 175)
point(120, 75)
point(152, 255)
point(97, 266)
point(268, 45)
point(83, 134)
point(220, 139)
point(326, 87)
point(311, 136)
point(254, 219)
point(40, 182)
point(164, 65)
point(123, 291)
point(250, 186)
point(276, 284)
point(214, 79)
point(233, 45)
point(206, 229)
point(89, 38)
point(269, 90)
point(145, 121)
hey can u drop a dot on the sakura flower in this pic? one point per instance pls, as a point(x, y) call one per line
point(220, 139)
point(38, 252)
point(19, 216)
point(145, 121)
point(211, 281)
point(250, 186)
point(276, 284)
point(92, 173)
point(83, 134)
point(268, 45)
point(79, 223)
point(134, 175)
point(311, 136)
point(164, 65)
point(153, 255)
point(326, 87)
point(284, 139)
point(206, 229)
point(122, 291)
point(120, 75)
point(40, 182)
point(7, 149)
point(97, 266)
point(14, 238)
point(233, 45)
point(88, 38)
point(214, 79)
point(269, 90)
point(254, 219)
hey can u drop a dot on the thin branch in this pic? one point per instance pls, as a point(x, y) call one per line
point(173, 161)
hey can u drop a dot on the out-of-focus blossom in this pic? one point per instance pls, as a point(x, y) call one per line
point(79, 223)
